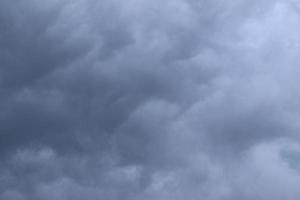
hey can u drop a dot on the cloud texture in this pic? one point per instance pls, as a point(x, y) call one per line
point(149, 100)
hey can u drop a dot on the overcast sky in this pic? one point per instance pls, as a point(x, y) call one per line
point(149, 100)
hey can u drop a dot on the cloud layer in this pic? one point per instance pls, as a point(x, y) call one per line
point(145, 100)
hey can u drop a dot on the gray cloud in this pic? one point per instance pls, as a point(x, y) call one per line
point(149, 100)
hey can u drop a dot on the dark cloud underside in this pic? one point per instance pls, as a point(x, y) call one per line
point(149, 100)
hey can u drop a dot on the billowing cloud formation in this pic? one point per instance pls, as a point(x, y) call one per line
point(145, 100)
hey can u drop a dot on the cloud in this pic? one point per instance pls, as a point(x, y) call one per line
point(149, 100)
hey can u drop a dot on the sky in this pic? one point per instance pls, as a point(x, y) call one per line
point(149, 100)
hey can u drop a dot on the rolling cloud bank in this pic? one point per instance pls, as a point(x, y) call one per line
point(149, 100)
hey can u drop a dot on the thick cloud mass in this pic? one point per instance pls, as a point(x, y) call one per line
point(149, 100)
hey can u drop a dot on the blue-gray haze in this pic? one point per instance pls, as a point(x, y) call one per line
point(149, 100)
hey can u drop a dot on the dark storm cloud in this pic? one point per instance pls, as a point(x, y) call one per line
point(149, 100)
